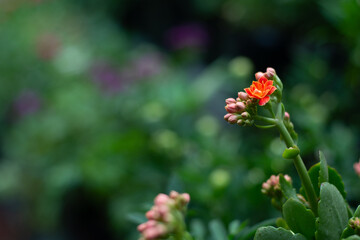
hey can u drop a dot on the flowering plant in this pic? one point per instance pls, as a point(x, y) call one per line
point(319, 210)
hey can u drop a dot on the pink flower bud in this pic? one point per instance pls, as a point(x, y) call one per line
point(270, 72)
point(152, 214)
point(233, 119)
point(258, 75)
point(240, 106)
point(231, 108)
point(245, 115)
point(230, 100)
point(357, 168)
point(161, 199)
point(243, 96)
point(226, 117)
point(286, 116)
point(288, 178)
point(174, 194)
point(142, 227)
point(186, 197)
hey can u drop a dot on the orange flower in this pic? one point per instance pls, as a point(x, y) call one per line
point(261, 90)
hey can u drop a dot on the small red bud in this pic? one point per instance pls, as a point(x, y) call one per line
point(286, 116)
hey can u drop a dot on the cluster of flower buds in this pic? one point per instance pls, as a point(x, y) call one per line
point(354, 223)
point(269, 74)
point(272, 189)
point(357, 168)
point(166, 217)
point(272, 186)
point(240, 110)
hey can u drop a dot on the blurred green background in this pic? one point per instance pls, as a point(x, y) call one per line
point(104, 104)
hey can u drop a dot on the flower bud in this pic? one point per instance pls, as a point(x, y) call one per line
point(243, 96)
point(354, 223)
point(186, 197)
point(240, 106)
point(258, 75)
point(231, 108)
point(270, 72)
point(152, 214)
point(245, 115)
point(161, 199)
point(226, 117)
point(357, 168)
point(286, 116)
point(240, 122)
point(233, 119)
point(230, 100)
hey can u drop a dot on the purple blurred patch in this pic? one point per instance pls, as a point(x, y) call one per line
point(27, 102)
point(106, 77)
point(147, 65)
point(187, 36)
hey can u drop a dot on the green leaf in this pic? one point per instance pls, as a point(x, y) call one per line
point(353, 237)
point(299, 219)
point(357, 212)
point(217, 230)
point(280, 222)
point(291, 152)
point(333, 217)
point(323, 173)
point(287, 188)
point(334, 179)
point(271, 233)
point(235, 227)
point(197, 229)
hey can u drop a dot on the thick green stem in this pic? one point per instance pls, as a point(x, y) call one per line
point(300, 167)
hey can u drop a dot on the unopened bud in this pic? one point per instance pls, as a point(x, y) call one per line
point(258, 75)
point(270, 72)
point(226, 117)
point(243, 96)
point(355, 223)
point(230, 100)
point(233, 119)
point(245, 115)
point(174, 194)
point(357, 168)
point(240, 106)
point(286, 116)
point(240, 122)
point(161, 199)
point(186, 197)
point(231, 108)
point(153, 214)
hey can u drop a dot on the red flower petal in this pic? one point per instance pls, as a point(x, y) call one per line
point(264, 100)
point(271, 90)
point(248, 91)
point(268, 83)
point(263, 80)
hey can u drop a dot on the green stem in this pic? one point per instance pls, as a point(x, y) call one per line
point(300, 167)
point(265, 119)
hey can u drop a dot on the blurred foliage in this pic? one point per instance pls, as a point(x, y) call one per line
point(105, 104)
